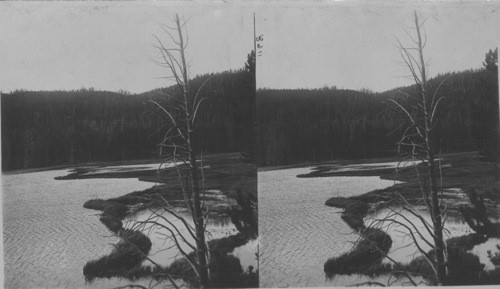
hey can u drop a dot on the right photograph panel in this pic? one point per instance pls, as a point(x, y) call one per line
point(378, 144)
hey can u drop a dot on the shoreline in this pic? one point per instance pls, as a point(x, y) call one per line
point(90, 164)
point(362, 161)
point(229, 187)
point(462, 173)
point(460, 192)
point(84, 164)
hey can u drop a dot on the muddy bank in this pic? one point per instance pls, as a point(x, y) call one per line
point(89, 173)
point(463, 265)
point(226, 178)
point(123, 261)
point(462, 172)
point(114, 210)
point(132, 250)
point(470, 189)
point(243, 215)
point(364, 258)
point(354, 211)
point(225, 270)
point(464, 177)
point(230, 193)
point(128, 254)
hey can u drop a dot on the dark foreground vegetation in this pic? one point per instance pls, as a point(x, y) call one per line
point(366, 256)
point(480, 182)
point(228, 173)
point(235, 179)
point(225, 270)
point(468, 183)
point(304, 125)
point(463, 171)
point(122, 261)
point(49, 128)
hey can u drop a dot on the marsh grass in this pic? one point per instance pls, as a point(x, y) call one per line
point(354, 211)
point(464, 171)
point(125, 259)
point(225, 269)
point(364, 258)
point(226, 173)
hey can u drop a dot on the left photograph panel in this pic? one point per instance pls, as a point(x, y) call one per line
point(128, 145)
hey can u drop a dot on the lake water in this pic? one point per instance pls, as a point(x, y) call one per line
point(49, 236)
point(403, 248)
point(298, 232)
point(161, 238)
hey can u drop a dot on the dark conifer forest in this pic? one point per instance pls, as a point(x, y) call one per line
point(323, 124)
point(47, 128)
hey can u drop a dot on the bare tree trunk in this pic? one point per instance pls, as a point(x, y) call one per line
point(180, 111)
point(437, 224)
point(433, 175)
point(201, 245)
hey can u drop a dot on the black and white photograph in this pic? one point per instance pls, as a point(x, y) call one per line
point(128, 156)
point(245, 144)
point(378, 144)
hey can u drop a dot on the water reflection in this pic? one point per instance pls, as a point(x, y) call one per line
point(481, 251)
point(166, 235)
point(49, 236)
point(403, 248)
point(160, 238)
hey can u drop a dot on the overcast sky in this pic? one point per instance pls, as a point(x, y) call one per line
point(109, 45)
point(353, 45)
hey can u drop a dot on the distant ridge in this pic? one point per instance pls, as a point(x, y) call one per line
point(48, 128)
point(308, 125)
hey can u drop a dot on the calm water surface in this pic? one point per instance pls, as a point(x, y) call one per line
point(298, 232)
point(160, 238)
point(403, 248)
point(49, 236)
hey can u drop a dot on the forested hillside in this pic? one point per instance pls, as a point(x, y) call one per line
point(321, 124)
point(46, 128)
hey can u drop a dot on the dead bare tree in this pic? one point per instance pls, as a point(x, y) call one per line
point(419, 141)
point(408, 223)
point(180, 113)
point(417, 147)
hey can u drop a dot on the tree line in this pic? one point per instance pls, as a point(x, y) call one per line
point(47, 128)
point(309, 125)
